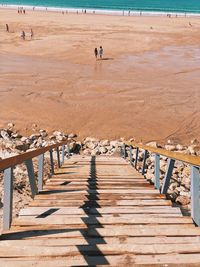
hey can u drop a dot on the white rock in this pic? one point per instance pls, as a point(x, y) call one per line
point(179, 147)
point(4, 134)
point(153, 144)
point(170, 147)
point(105, 142)
point(103, 150)
point(10, 125)
point(91, 145)
point(72, 135)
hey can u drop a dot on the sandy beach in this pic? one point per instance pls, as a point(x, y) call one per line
point(147, 87)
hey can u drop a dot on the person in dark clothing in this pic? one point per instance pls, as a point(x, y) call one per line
point(7, 28)
point(96, 52)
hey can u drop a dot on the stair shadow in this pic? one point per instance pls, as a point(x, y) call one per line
point(91, 249)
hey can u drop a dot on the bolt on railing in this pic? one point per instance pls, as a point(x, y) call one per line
point(193, 161)
point(7, 165)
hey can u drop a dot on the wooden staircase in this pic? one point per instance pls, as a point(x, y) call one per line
point(98, 211)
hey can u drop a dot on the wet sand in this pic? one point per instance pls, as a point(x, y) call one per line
point(147, 87)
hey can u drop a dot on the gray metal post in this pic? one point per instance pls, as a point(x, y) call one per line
point(58, 157)
point(144, 162)
point(8, 198)
point(51, 161)
point(168, 174)
point(68, 151)
point(63, 154)
point(195, 211)
point(157, 171)
point(40, 171)
point(31, 176)
point(124, 151)
point(131, 155)
point(136, 157)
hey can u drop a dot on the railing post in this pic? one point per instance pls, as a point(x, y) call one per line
point(40, 171)
point(124, 151)
point(157, 171)
point(63, 154)
point(51, 161)
point(68, 151)
point(31, 175)
point(144, 162)
point(8, 198)
point(131, 155)
point(58, 156)
point(195, 208)
point(168, 174)
point(136, 157)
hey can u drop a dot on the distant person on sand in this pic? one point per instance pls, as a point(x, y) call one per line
point(101, 52)
point(96, 52)
point(7, 28)
point(23, 35)
point(31, 34)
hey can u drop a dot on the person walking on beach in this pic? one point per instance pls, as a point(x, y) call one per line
point(7, 28)
point(31, 34)
point(101, 52)
point(23, 35)
point(96, 52)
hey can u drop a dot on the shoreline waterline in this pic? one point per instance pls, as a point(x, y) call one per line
point(111, 12)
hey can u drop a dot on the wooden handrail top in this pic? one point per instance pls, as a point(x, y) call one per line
point(18, 159)
point(193, 160)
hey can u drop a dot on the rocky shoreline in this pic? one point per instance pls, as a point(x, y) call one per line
point(13, 143)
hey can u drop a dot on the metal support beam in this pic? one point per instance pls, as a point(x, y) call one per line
point(136, 157)
point(131, 155)
point(40, 171)
point(8, 198)
point(31, 176)
point(168, 174)
point(63, 155)
point(68, 151)
point(124, 151)
point(157, 171)
point(51, 161)
point(195, 207)
point(144, 162)
point(58, 157)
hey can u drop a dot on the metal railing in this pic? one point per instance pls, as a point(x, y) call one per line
point(7, 165)
point(193, 161)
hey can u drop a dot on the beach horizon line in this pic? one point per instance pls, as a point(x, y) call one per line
point(97, 11)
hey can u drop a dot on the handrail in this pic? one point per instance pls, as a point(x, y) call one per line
point(193, 160)
point(18, 159)
point(7, 165)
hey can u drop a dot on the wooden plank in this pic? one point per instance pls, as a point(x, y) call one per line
point(59, 242)
point(186, 260)
point(100, 197)
point(98, 249)
point(97, 203)
point(105, 210)
point(92, 220)
point(108, 231)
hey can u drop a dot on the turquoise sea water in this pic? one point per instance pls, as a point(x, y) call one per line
point(191, 6)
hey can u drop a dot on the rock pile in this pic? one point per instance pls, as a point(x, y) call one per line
point(12, 143)
point(92, 146)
